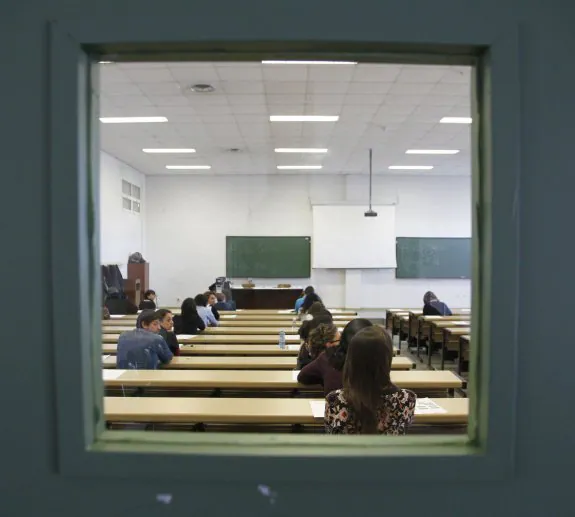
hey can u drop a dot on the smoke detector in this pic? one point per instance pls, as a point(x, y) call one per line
point(202, 88)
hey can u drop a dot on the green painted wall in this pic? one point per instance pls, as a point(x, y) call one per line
point(545, 414)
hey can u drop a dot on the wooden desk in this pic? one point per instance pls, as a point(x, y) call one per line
point(225, 350)
point(438, 327)
point(264, 312)
point(389, 315)
point(248, 410)
point(426, 327)
point(244, 363)
point(223, 331)
point(273, 317)
point(418, 323)
point(451, 338)
point(224, 339)
point(265, 298)
point(260, 379)
point(464, 343)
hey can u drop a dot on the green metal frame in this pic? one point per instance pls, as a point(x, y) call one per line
point(85, 448)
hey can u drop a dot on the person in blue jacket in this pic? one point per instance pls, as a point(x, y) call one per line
point(432, 306)
point(143, 348)
point(300, 301)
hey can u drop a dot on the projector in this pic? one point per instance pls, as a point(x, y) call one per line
point(370, 213)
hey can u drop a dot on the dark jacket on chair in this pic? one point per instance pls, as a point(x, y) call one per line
point(193, 326)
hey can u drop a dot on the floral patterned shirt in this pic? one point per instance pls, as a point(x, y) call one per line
point(394, 415)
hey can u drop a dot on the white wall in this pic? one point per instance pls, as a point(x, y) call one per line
point(188, 218)
point(121, 231)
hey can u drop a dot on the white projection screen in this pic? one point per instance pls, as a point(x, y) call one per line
point(343, 238)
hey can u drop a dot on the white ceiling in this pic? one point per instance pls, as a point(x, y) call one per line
point(390, 108)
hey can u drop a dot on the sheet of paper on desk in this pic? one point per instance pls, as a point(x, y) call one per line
point(461, 323)
point(187, 336)
point(117, 316)
point(286, 311)
point(105, 357)
point(293, 347)
point(293, 337)
point(317, 408)
point(110, 375)
point(427, 406)
point(294, 374)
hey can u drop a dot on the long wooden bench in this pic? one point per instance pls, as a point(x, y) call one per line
point(244, 363)
point(205, 339)
point(220, 331)
point(251, 410)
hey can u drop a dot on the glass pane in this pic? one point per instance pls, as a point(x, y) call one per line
point(399, 132)
point(126, 188)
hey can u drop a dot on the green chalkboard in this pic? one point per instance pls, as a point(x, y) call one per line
point(268, 257)
point(419, 257)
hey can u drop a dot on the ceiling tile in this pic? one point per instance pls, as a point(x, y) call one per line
point(150, 75)
point(376, 73)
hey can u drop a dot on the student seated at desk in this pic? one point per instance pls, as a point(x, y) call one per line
point(327, 368)
point(222, 304)
point(323, 337)
point(305, 353)
point(369, 402)
point(433, 307)
point(117, 303)
point(189, 321)
point(149, 301)
point(143, 348)
point(204, 311)
point(212, 301)
point(310, 299)
point(166, 319)
point(299, 302)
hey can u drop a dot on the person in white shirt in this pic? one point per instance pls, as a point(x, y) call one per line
point(205, 311)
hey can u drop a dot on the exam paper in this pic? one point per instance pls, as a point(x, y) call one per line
point(294, 374)
point(187, 336)
point(317, 408)
point(111, 375)
point(426, 406)
point(293, 347)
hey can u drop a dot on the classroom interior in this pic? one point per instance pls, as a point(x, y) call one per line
point(209, 165)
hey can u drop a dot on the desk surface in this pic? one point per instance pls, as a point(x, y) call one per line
point(274, 317)
point(248, 411)
point(259, 379)
point(221, 331)
point(224, 339)
point(233, 350)
point(244, 363)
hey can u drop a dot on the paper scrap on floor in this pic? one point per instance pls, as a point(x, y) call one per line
point(293, 347)
point(294, 374)
point(111, 375)
point(317, 408)
point(426, 406)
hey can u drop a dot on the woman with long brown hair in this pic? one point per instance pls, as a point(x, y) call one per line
point(369, 402)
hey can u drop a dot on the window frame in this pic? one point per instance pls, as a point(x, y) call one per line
point(86, 448)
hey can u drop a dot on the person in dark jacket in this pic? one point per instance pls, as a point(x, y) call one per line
point(222, 304)
point(212, 302)
point(305, 353)
point(310, 299)
point(149, 301)
point(433, 307)
point(327, 368)
point(166, 330)
point(189, 321)
point(118, 304)
point(144, 338)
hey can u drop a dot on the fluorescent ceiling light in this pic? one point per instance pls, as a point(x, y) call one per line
point(166, 151)
point(187, 167)
point(288, 62)
point(131, 120)
point(299, 150)
point(432, 151)
point(411, 167)
point(298, 167)
point(455, 120)
point(105, 62)
point(304, 118)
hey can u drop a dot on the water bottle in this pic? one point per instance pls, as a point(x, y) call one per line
point(282, 340)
